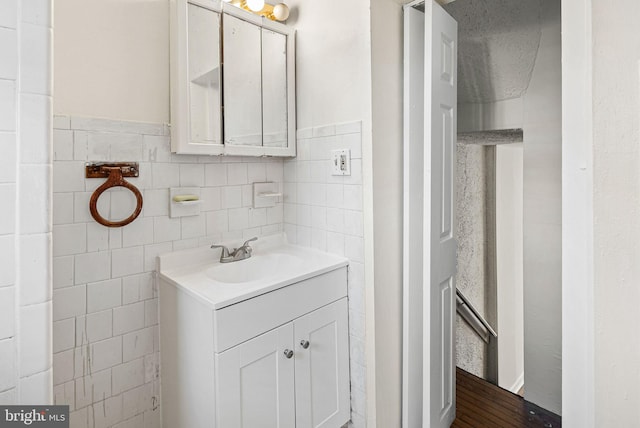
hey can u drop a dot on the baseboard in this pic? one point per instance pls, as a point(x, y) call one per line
point(518, 384)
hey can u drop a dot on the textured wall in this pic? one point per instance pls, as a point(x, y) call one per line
point(471, 235)
point(616, 210)
point(498, 46)
point(478, 251)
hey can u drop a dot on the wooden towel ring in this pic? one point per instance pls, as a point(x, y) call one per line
point(115, 179)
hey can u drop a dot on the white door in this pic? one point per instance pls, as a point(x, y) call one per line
point(256, 382)
point(429, 243)
point(322, 367)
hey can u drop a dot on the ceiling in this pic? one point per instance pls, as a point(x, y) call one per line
point(498, 44)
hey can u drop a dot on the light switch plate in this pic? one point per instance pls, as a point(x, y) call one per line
point(341, 162)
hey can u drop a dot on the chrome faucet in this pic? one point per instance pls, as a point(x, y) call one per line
point(240, 253)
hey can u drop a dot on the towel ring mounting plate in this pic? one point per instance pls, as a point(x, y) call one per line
point(115, 173)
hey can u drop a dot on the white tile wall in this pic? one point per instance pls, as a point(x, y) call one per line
point(8, 397)
point(25, 188)
point(35, 350)
point(7, 368)
point(105, 304)
point(325, 212)
point(106, 360)
point(9, 53)
point(7, 105)
point(36, 388)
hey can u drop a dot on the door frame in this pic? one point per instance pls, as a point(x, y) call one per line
point(578, 320)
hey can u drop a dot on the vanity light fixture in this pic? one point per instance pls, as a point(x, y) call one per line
point(278, 12)
point(255, 5)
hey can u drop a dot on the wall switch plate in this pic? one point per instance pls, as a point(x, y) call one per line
point(341, 162)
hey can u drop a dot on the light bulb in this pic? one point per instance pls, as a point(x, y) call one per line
point(255, 5)
point(281, 11)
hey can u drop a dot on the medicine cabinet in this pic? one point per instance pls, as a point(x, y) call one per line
point(232, 81)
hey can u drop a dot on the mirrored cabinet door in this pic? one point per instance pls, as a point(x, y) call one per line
point(242, 83)
point(203, 38)
point(232, 81)
point(196, 77)
point(259, 119)
point(274, 93)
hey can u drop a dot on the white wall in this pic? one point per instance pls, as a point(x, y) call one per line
point(112, 59)
point(25, 213)
point(387, 176)
point(542, 219)
point(601, 127)
point(333, 87)
point(616, 209)
point(505, 114)
point(106, 361)
point(509, 258)
point(324, 211)
point(332, 61)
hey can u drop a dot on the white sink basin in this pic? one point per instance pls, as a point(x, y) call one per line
point(259, 267)
point(273, 264)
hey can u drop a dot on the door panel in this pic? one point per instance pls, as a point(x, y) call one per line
point(256, 382)
point(322, 368)
point(446, 346)
point(446, 189)
point(439, 209)
point(429, 219)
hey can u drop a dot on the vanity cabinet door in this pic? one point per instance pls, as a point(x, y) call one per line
point(255, 382)
point(322, 367)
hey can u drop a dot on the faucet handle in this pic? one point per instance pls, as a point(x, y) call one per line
point(225, 250)
point(246, 243)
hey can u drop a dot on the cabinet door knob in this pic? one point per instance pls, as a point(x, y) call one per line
point(288, 353)
point(304, 344)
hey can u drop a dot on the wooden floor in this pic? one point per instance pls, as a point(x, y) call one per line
point(481, 404)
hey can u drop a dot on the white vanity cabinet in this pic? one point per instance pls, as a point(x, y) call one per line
point(293, 376)
point(246, 355)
